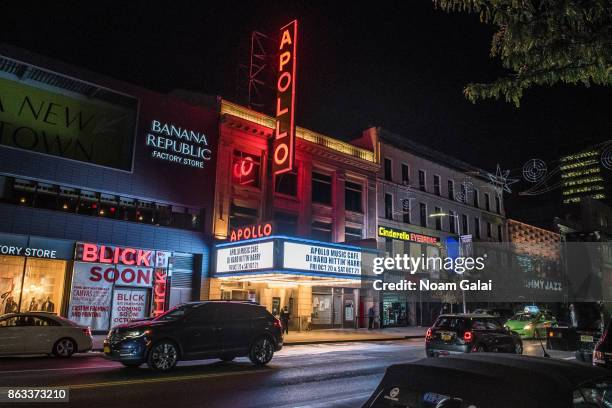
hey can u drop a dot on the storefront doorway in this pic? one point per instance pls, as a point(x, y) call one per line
point(394, 313)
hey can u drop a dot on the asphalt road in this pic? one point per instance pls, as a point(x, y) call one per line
point(326, 375)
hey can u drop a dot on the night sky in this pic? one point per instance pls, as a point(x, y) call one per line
point(399, 65)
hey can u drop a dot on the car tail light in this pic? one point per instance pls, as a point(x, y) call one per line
point(87, 331)
point(428, 335)
point(598, 355)
point(468, 336)
point(277, 323)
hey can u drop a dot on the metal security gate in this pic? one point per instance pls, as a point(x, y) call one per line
point(181, 289)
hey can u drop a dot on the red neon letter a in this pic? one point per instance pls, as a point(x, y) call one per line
point(286, 39)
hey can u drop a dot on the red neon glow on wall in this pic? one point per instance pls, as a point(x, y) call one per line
point(283, 151)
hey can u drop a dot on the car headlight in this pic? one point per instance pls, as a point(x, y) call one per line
point(529, 326)
point(133, 334)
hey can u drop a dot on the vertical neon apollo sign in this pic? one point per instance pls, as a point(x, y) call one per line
point(284, 135)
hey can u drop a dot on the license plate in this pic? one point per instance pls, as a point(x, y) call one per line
point(586, 339)
point(446, 337)
point(107, 350)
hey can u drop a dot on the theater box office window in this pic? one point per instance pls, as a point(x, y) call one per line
point(320, 283)
point(33, 273)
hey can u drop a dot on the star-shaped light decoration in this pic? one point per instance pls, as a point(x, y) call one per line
point(501, 181)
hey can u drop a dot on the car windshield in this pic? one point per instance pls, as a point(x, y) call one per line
point(173, 314)
point(522, 317)
point(597, 394)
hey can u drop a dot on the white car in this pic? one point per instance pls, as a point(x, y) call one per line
point(42, 333)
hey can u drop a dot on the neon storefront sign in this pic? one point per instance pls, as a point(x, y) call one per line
point(284, 135)
point(251, 231)
point(88, 252)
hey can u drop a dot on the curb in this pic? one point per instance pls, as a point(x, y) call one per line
point(352, 340)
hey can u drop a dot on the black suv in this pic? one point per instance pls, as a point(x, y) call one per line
point(467, 333)
point(197, 330)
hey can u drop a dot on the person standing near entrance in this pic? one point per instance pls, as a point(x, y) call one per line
point(284, 316)
point(370, 317)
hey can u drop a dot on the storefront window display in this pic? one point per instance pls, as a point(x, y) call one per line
point(43, 285)
point(11, 274)
point(394, 314)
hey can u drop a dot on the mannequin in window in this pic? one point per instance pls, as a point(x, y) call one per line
point(11, 305)
point(33, 305)
point(48, 305)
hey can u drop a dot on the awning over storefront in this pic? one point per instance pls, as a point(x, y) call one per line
point(289, 260)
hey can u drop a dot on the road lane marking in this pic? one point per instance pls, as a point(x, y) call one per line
point(156, 380)
point(58, 369)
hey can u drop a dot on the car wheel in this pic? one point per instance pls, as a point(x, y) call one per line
point(227, 358)
point(261, 351)
point(64, 348)
point(518, 348)
point(163, 356)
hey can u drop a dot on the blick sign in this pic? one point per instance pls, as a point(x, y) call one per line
point(284, 135)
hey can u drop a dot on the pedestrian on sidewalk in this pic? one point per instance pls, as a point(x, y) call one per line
point(371, 318)
point(284, 316)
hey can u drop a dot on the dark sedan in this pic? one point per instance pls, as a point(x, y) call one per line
point(467, 333)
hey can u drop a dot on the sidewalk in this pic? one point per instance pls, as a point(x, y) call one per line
point(332, 335)
point(342, 335)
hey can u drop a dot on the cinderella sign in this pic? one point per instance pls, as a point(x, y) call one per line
point(178, 145)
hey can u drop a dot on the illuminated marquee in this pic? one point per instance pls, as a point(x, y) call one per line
point(321, 259)
point(406, 236)
point(251, 231)
point(284, 134)
point(245, 257)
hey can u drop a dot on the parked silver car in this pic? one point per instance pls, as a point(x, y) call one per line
point(42, 333)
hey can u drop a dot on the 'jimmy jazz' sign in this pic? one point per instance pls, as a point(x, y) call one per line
point(284, 135)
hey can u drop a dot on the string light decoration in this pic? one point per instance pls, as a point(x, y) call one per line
point(501, 181)
point(534, 170)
